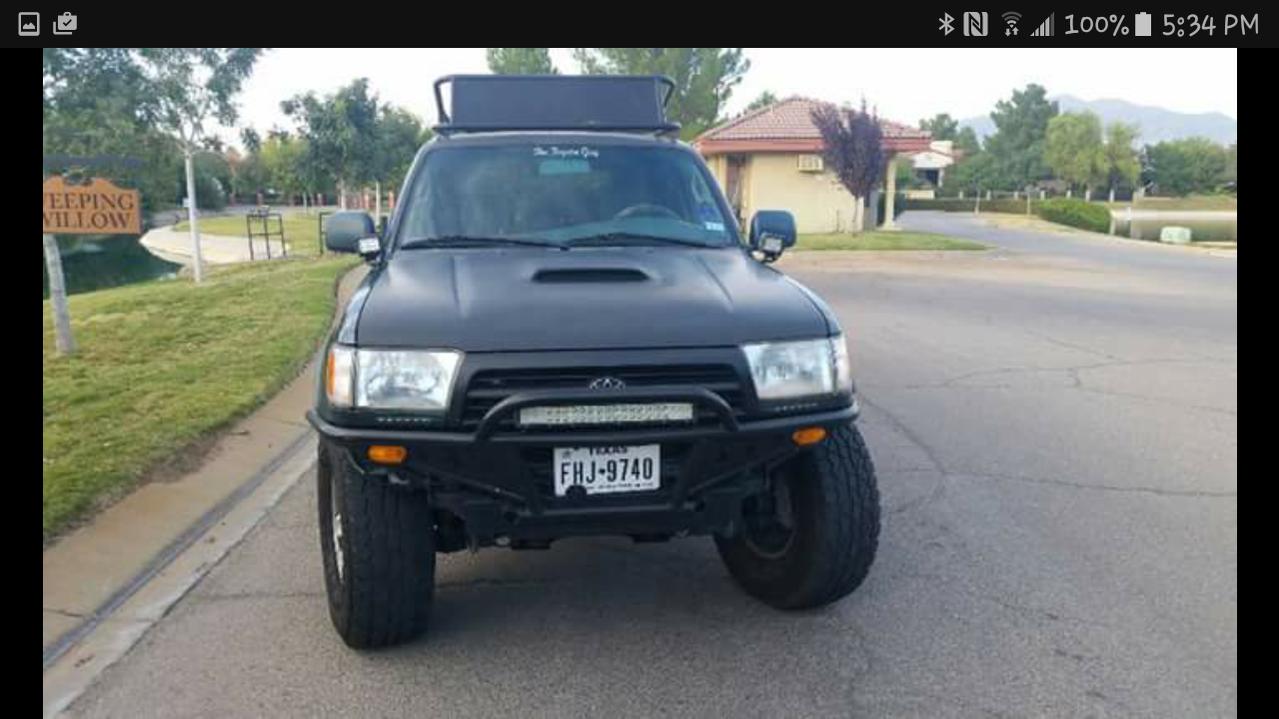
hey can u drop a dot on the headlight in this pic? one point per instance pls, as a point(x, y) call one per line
point(391, 379)
point(783, 370)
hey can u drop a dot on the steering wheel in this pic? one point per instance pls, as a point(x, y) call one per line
point(647, 210)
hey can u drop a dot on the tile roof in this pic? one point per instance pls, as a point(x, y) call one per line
point(791, 120)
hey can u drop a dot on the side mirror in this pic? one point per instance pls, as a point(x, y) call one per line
point(352, 232)
point(772, 231)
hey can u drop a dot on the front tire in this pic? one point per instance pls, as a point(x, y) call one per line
point(378, 546)
point(811, 539)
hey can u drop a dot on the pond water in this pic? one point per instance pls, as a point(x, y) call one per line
point(95, 262)
point(1204, 226)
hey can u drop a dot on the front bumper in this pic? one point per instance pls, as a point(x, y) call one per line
point(498, 485)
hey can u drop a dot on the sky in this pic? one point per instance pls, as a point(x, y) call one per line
point(905, 85)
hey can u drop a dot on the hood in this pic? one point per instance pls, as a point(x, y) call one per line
point(495, 299)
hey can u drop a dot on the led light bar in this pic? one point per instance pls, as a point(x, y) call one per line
point(606, 414)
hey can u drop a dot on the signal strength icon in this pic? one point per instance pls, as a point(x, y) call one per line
point(1045, 28)
point(1010, 20)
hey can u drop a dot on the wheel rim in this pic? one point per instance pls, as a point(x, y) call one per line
point(339, 558)
point(769, 520)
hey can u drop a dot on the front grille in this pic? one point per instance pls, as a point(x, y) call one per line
point(488, 387)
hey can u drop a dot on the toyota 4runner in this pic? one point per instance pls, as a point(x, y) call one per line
point(562, 334)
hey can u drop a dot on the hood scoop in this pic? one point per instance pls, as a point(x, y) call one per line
point(560, 275)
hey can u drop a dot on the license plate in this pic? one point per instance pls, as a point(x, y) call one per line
point(600, 470)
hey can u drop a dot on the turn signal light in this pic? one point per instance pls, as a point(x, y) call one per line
point(808, 435)
point(387, 454)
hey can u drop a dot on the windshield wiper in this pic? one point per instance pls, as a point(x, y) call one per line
point(615, 238)
point(443, 241)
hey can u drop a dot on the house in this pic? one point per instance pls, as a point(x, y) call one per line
point(770, 158)
point(930, 165)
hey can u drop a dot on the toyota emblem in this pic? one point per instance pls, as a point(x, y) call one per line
point(606, 383)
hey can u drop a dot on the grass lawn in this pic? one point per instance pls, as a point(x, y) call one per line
point(301, 230)
point(1034, 223)
point(161, 364)
point(878, 240)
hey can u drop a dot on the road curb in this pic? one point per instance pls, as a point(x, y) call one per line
point(77, 660)
point(60, 646)
point(236, 495)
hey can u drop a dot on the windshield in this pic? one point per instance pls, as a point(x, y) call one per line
point(601, 194)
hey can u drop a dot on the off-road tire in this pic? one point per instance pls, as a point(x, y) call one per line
point(835, 507)
point(383, 594)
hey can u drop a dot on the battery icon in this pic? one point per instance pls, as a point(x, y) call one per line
point(1142, 26)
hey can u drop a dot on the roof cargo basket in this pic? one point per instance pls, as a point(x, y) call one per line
point(491, 103)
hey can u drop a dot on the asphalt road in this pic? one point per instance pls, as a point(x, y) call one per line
point(1055, 428)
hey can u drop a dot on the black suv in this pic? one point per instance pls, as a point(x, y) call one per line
point(563, 334)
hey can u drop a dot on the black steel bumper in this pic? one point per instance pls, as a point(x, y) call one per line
point(498, 483)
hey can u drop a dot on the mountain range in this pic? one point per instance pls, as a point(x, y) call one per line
point(1156, 124)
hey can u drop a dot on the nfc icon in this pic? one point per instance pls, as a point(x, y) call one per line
point(975, 24)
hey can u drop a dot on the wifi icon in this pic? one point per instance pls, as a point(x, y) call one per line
point(1010, 20)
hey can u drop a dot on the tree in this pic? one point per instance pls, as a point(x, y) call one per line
point(247, 175)
point(96, 103)
point(1186, 166)
point(765, 99)
point(251, 139)
point(353, 137)
point(1120, 158)
point(966, 142)
point(400, 136)
point(212, 179)
point(1017, 146)
point(1231, 175)
point(1073, 149)
point(520, 61)
point(280, 159)
point(853, 148)
point(704, 77)
point(192, 86)
point(341, 134)
point(975, 173)
point(942, 126)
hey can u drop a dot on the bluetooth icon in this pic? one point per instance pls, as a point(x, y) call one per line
point(946, 21)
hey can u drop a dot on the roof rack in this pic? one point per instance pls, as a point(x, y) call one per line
point(595, 103)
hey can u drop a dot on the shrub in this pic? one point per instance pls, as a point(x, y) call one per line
point(208, 192)
point(1006, 204)
point(1075, 213)
point(947, 204)
point(954, 204)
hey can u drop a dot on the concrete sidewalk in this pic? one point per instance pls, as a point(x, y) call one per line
point(86, 570)
point(175, 246)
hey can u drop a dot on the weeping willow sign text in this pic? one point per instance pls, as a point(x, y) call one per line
point(96, 207)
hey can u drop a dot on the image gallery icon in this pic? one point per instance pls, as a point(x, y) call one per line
point(975, 24)
point(28, 24)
